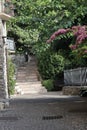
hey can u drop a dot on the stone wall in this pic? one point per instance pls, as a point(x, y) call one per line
point(71, 90)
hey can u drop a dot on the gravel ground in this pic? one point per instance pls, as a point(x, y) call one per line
point(59, 113)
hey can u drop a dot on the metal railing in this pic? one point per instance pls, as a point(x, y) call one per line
point(75, 77)
point(7, 7)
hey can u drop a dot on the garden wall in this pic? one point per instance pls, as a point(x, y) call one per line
point(74, 80)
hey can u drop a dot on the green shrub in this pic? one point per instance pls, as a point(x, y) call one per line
point(50, 65)
point(48, 84)
point(11, 80)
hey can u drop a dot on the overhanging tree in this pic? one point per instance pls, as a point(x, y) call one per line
point(41, 18)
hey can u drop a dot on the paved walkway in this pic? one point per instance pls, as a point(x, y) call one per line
point(47, 113)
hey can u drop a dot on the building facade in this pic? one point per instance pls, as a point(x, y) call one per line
point(6, 13)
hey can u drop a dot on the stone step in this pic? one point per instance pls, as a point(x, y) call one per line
point(28, 91)
point(26, 75)
point(32, 69)
point(32, 82)
point(42, 90)
point(32, 92)
point(29, 68)
point(29, 75)
point(27, 72)
point(27, 79)
point(30, 85)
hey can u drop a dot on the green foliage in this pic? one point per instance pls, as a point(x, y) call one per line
point(78, 60)
point(36, 20)
point(43, 17)
point(50, 64)
point(11, 80)
point(48, 84)
point(40, 48)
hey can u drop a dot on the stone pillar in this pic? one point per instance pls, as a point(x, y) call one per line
point(3, 71)
point(3, 63)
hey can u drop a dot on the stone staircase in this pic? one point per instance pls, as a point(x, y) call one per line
point(28, 81)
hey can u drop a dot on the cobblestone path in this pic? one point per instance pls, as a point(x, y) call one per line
point(59, 113)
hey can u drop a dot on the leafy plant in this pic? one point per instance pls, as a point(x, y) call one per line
point(36, 20)
point(79, 47)
point(50, 64)
point(79, 32)
point(48, 84)
point(11, 80)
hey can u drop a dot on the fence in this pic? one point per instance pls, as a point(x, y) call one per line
point(75, 77)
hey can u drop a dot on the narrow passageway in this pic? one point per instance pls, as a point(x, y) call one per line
point(37, 109)
point(28, 81)
point(45, 114)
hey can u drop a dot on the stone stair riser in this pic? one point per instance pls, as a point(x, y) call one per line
point(27, 79)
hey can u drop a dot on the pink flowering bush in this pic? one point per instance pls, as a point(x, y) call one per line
point(57, 33)
point(79, 32)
